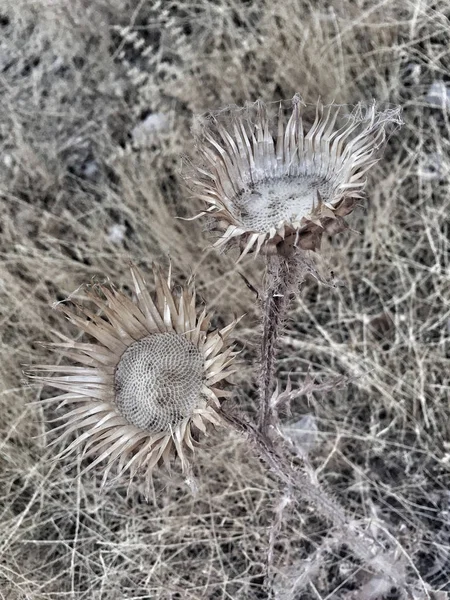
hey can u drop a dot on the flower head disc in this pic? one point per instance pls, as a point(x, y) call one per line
point(149, 383)
point(275, 185)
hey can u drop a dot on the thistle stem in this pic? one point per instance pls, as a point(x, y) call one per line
point(279, 277)
point(305, 487)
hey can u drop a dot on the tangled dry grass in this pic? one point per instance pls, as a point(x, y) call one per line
point(97, 105)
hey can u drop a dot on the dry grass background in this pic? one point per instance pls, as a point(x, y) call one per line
point(82, 193)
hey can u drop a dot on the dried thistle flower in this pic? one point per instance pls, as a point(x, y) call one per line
point(277, 186)
point(149, 384)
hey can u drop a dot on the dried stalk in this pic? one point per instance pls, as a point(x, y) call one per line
point(305, 488)
point(279, 278)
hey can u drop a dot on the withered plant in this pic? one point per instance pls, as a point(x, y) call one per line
point(157, 374)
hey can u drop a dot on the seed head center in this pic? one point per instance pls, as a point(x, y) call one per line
point(158, 381)
point(284, 200)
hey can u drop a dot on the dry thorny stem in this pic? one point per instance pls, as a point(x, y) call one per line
point(274, 306)
point(301, 485)
point(285, 271)
point(284, 274)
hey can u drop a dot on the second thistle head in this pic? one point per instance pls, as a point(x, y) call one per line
point(147, 382)
point(275, 185)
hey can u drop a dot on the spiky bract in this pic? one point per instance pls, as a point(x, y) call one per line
point(276, 186)
point(149, 383)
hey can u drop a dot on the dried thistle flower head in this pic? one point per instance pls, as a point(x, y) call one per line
point(150, 382)
point(275, 186)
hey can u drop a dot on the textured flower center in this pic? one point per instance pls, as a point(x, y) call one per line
point(158, 381)
point(287, 199)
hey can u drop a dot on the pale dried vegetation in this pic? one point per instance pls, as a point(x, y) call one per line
point(97, 105)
